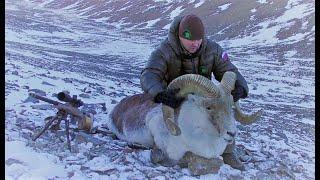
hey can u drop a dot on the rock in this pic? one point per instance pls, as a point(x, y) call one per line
point(10, 113)
point(297, 169)
point(283, 170)
point(67, 80)
point(245, 158)
point(241, 127)
point(25, 87)
point(244, 154)
point(104, 132)
point(38, 92)
point(201, 166)
point(15, 73)
point(91, 111)
point(25, 124)
point(22, 111)
point(87, 89)
point(70, 174)
point(43, 107)
point(137, 146)
point(46, 83)
point(103, 106)
point(303, 154)
point(102, 92)
point(31, 99)
point(11, 161)
point(75, 148)
point(55, 95)
point(94, 108)
point(113, 101)
point(84, 95)
point(84, 137)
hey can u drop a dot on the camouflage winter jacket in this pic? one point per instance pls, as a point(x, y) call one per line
point(169, 61)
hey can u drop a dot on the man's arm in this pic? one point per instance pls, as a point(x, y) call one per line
point(152, 78)
point(152, 75)
point(223, 64)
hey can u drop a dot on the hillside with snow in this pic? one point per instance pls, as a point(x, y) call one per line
point(97, 49)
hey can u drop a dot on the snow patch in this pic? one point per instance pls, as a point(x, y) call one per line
point(308, 121)
point(262, 1)
point(199, 3)
point(28, 164)
point(290, 53)
point(224, 7)
point(152, 22)
point(176, 12)
point(253, 10)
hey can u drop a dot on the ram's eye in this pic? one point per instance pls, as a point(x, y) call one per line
point(209, 108)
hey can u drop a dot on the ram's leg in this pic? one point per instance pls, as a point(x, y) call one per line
point(183, 163)
point(169, 121)
point(199, 165)
point(157, 156)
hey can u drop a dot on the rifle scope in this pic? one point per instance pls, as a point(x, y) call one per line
point(62, 96)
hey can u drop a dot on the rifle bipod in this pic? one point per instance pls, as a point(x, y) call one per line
point(61, 115)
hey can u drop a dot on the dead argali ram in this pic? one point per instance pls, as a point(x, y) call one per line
point(193, 135)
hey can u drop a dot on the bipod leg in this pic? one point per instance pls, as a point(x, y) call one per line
point(67, 133)
point(45, 128)
point(57, 125)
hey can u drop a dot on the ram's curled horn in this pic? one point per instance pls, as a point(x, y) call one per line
point(194, 83)
point(228, 81)
point(188, 83)
point(243, 118)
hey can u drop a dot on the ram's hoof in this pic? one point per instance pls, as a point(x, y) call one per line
point(173, 128)
point(156, 156)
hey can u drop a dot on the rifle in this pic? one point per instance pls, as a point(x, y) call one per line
point(70, 108)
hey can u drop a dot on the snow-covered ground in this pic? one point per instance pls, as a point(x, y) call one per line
point(95, 50)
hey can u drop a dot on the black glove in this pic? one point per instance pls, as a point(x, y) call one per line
point(238, 92)
point(169, 98)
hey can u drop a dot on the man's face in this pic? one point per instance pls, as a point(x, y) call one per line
point(191, 45)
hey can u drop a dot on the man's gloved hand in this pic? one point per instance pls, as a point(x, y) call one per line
point(238, 92)
point(169, 98)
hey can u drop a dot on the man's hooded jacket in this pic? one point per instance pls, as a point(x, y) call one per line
point(171, 60)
